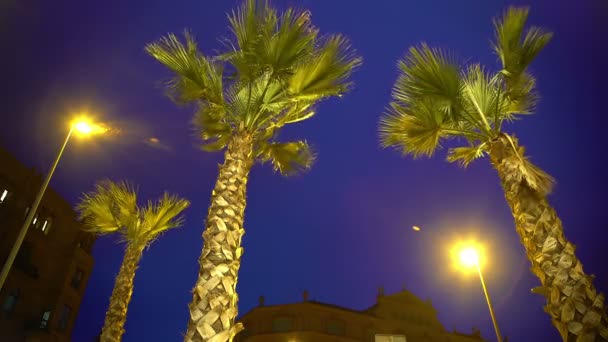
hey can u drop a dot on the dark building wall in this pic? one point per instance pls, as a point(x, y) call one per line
point(52, 268)
point(400, 314)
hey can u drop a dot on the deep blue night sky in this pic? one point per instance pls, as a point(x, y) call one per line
point(344, 228)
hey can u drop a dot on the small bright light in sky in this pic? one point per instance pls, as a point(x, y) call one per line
point(416, 228)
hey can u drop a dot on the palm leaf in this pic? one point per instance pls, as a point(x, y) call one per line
point(327, 71)
point(521, 97)
point(283, 48)
point(197, 78)
point(162, 215)
point(482, 97)
point(465, 155)
point(428, 73)
point(112, 208)
point(247, 25)
point(515, 48)
point(212, 128)
point(287, 158)
point(415, 130)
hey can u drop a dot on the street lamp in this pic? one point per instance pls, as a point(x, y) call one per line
point(80, 126)
point(469, 257)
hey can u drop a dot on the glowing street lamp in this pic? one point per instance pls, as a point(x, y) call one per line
point(469, 256)
point(80, 126)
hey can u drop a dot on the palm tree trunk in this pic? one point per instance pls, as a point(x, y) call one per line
point(114, 324)
point(213, 308)
point(575, 307)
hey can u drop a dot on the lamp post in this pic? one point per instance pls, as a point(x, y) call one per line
point(80, 126)
point(469, 257)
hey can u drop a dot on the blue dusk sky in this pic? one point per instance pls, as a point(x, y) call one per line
point(343, 229)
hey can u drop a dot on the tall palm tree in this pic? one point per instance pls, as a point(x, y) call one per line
point(112, 208)
point(435, 98)
point(276, 69)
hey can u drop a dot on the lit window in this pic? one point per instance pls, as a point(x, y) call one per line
point(9, 303)
point(64, 319)
point(46, 225)
point(281, 324)
point(3, 195)
point(44, 322)
point(77, 279)
point(390, 338)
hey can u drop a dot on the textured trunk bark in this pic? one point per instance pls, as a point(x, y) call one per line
point(575, 307)
point(114, 324)
point(213, 308)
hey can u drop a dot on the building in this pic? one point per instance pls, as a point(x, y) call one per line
point(41, 297)
point(399, 317)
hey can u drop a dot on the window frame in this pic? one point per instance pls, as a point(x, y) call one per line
point(65, 317)
point(80, 271)
point(45, 323)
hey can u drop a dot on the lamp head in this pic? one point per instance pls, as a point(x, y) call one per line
point(85, 127)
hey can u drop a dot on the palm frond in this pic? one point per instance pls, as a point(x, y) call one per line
point(415, 130)
point(288, 44)
point(482, 97)
point(515, 48)
point(212, 128)
point(196, 77)
point(112, 208)
point(537, 179)
point(287, 158)
point(428, 73)
point(521, 97)
point(109, 208)
point(160, 216)
point(327, 71)
point(465, 155)
point(247, 25)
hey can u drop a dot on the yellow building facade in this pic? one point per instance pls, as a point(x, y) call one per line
point(400, 317)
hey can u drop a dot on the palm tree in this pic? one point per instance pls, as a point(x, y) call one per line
point(112, 208)
point(435, 98)
point(276, 69)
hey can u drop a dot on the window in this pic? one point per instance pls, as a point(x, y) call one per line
point(390, 338)
point(3, 195)
point(335, 327)
point(64, 319)
point(46, 225)
point(44, 322)
point(8, 306)
point(281, 324)
point(77, 279)
point(24, 262)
